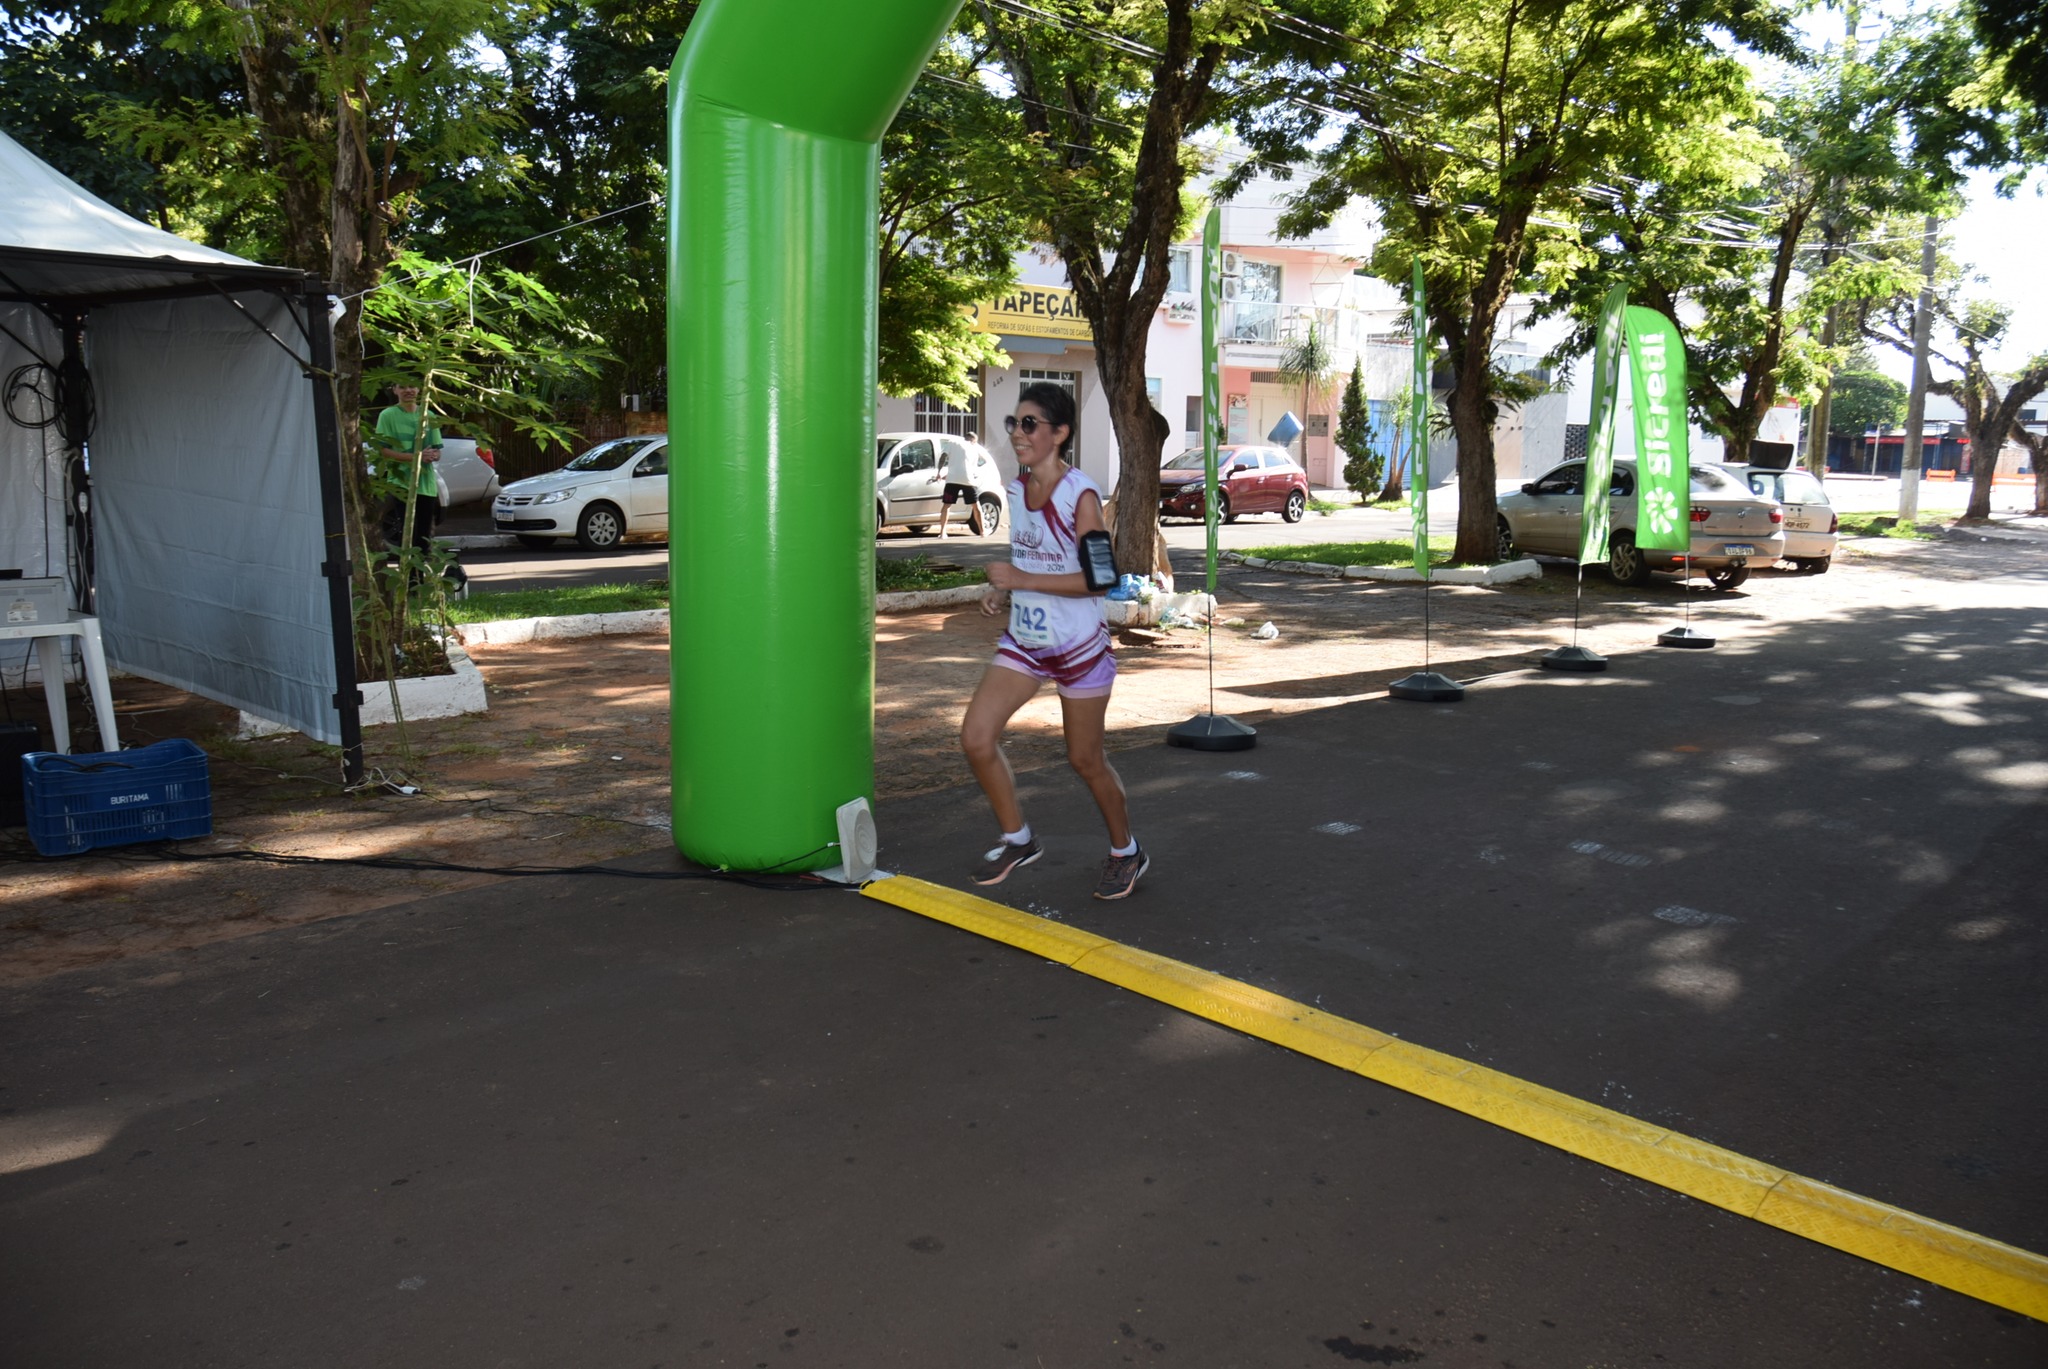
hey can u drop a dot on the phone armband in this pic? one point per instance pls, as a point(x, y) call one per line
point(1098, 561)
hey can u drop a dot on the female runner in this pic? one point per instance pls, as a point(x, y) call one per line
point(1057, 632)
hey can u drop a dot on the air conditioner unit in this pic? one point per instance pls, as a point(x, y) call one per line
point(1233, 264)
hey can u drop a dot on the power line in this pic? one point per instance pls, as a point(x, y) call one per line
point(474, 259)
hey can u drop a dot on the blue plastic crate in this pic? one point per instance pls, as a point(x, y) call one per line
point(113, 798)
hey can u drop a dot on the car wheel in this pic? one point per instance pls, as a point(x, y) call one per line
point(1224, 513)
point(1625, 561)
point(1727, 578)
point(1297, 504)
point(601, 528)
point(1817, 565)
point(1504, 548)
point(527, 539)
point(988, 514)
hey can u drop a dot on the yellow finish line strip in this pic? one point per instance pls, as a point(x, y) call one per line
point(2003, 1275)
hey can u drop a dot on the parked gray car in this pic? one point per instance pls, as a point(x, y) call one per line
point(1732, 528)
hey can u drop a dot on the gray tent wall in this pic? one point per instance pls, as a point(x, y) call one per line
point(208, 509)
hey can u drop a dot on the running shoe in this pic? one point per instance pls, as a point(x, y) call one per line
point(996, 866)
point(1120, 874)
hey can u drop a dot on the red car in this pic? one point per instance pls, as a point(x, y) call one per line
point(1248, 480)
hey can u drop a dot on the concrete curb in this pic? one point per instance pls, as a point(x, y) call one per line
point(434, 696)
point(513, 631)
point(1505, 573)
point(918, 600)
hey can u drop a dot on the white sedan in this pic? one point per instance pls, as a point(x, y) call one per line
point(616, 490)
point(1732, 529)
point(1812, 527)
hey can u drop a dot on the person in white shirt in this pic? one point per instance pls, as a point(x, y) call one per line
point(1058, 632)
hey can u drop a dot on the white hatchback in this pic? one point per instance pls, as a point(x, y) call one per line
point(616, 490)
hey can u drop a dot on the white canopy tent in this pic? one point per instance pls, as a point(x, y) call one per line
point(169, 447)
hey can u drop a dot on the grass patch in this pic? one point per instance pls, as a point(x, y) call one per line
point(1326, 507)
point(904, 574)
point(1885, 525)
point(1387, 553)
point(566, 602)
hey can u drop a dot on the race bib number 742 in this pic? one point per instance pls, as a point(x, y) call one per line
point(1028, 626)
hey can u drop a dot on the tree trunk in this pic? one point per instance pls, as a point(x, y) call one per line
point(2037, 446)
point(1472, 423)
point(1141, 440)
point(1983, 469)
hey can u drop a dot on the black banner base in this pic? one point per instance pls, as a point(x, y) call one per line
point(1574, 658)
point(1685, 637)
point(1427, 686)
point(1212, 732)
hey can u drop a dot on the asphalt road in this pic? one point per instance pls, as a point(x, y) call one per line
point(1783, 896)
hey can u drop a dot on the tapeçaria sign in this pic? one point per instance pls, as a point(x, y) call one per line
point(1046, 311)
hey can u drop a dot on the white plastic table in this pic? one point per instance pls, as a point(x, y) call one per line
point(50, 657)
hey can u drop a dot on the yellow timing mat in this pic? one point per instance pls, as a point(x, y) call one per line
point(2003, 1275)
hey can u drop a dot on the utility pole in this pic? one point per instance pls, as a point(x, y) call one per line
point(1916, 398)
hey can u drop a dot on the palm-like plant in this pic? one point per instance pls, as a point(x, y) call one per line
point(1307, 360)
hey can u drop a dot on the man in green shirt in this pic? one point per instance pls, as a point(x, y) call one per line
point(398, 438)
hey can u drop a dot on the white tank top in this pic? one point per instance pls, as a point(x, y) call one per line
point(1044, 542)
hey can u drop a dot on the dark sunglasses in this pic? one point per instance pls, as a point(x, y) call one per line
point(1030, 423)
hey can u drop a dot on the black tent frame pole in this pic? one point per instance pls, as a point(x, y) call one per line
point(334, 560)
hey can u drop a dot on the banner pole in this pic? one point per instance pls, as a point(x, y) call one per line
point(1425, 685)
point(1207, 731)
point(1598, 478)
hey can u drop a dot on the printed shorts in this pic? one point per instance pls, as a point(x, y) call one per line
point(1084, 672)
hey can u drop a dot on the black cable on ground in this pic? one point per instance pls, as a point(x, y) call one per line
point(168, 853)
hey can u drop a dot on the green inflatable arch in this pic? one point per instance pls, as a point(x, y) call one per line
point(776, 113)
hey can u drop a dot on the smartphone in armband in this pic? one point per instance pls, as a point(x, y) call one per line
point(1098, 561)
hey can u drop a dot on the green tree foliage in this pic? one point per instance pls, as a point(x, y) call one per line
point(1865, 398)
point(586, 155)
point(2015, 34)
point(68, 77)
point(1363, 467)
point(1743, 230)
point(1104, 96)
point(351, 108)
point(950, 230)
point(1481, 129)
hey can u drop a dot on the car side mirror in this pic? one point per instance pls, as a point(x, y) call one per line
point(1529, 488)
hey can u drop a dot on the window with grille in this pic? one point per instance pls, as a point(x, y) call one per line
point(930, 414)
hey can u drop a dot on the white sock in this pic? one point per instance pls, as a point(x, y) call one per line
point(1020, 837)
point(1129, 848)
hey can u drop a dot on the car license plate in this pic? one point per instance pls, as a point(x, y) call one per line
point(1737, 549)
